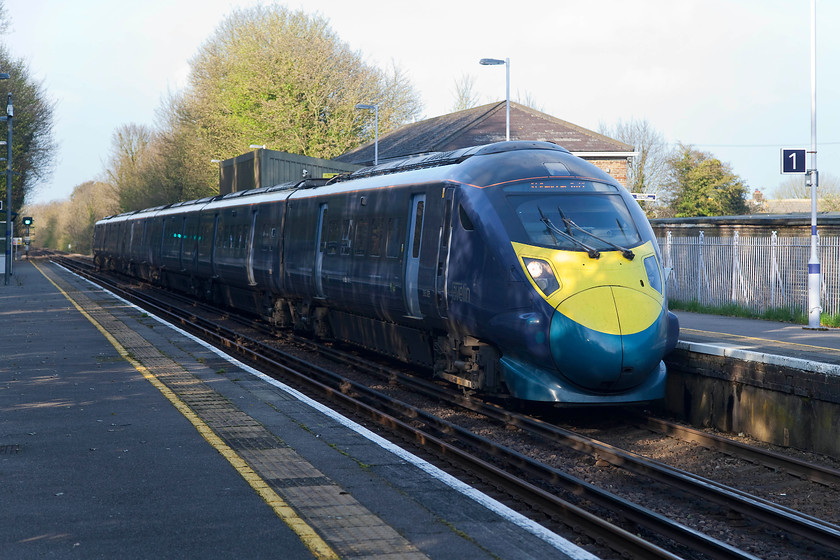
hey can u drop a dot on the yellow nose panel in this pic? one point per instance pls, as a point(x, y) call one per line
point(612, 310)
point(593, 308)
point(636, 310)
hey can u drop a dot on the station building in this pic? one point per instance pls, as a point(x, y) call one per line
point(462, 129)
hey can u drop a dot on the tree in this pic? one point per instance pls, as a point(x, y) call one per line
point(90, 202)
point(49, 221)
point(647, 172)
point(529, 101)
point(131, 170)
point(266, 76)
point(68, 224)
point(33, 146)
point(794, 187)
point(281, 78)
point(701, 185)
point(465, 94)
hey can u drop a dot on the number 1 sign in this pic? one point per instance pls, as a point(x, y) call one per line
point(793, 161)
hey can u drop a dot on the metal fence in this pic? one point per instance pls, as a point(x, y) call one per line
point(758, 273)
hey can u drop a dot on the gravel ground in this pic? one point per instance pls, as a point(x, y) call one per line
point(807, 497)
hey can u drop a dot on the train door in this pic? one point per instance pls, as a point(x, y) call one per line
point(181, 232)
point(320, 249)
point(251, 248)
point(412, 257)
point(443, 254)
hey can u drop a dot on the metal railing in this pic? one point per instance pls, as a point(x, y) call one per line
point(757, 273)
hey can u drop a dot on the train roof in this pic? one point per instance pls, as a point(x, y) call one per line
point(458, 166)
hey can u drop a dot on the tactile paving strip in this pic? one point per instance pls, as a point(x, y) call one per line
point(345, 524)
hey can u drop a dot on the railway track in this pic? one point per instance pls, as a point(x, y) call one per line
point(591, 510)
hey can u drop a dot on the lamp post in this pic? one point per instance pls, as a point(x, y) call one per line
point(375, 108)
point(506, 62)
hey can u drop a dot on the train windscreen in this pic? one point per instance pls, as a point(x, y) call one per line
point(573, 215)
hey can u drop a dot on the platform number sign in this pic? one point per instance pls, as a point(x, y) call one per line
point(793, 161)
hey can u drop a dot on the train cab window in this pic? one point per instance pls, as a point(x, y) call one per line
point(574, 215)
point(394, 247)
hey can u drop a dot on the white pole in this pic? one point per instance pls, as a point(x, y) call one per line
point(814, 305)
point(507, 99)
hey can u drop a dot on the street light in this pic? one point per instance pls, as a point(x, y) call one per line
point(375, 109)
point(506, 62)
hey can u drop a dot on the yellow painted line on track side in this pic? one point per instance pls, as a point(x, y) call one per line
point(307, 534)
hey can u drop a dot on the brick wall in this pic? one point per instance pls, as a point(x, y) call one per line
point(615, 167)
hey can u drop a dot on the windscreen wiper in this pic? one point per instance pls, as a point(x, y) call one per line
point(591, 251)
point(626, 253)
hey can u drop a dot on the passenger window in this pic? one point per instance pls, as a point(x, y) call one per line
point(394, 246)
point(346, 233)
point(376, 238)
point(332, 237)
point(360, 242)
point(323, 246)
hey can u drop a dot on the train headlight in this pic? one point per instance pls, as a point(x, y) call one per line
point(542, 274)
point(653, 274)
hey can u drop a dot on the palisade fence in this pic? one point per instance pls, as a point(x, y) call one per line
point(758, 273)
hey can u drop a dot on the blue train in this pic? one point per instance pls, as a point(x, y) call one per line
point(512, 269)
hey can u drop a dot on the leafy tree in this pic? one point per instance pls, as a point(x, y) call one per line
point(266, 76)
point(33, 146)
point(281, 78)
point(50, 219)
point(704, 186)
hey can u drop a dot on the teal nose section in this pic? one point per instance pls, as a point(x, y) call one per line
point(608, 353)
point(588, 358)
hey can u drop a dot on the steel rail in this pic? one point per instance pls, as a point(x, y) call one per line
point(807, 526)
point(336, 389)
point(766, 457)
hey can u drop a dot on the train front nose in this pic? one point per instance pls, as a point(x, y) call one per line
point(608, 338)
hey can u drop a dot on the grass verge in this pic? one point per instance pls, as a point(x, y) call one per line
point(782, 314)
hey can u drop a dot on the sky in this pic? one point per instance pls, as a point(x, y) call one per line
point(729, 77)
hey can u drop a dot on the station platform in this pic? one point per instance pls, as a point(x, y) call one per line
point(755, 340)
point(123, 437)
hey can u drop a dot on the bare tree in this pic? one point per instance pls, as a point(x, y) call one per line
point(529, 101)
point(465, 95)
point(794, 187)
point(126, 172)
point(648, 172)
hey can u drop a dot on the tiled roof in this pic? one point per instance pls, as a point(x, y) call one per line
point(482, 125)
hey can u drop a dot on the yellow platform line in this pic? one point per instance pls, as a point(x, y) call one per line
point(768, 340)
point(307, 534)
